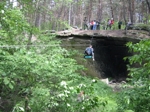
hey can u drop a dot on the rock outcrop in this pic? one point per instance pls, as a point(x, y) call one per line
point(109, 48)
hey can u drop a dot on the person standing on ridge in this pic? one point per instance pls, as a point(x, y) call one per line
point(119, 24)
point(108, 24)
point(111, 23)
point(85, 23)
point(94, 25)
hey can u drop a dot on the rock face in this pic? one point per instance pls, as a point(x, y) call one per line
point(118, 34)
point(109, 48)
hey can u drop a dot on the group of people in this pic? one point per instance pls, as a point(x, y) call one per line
point(110, 23)
point(95, 25)
point(92, 25)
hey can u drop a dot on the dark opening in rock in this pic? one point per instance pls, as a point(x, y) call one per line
point(109, 54)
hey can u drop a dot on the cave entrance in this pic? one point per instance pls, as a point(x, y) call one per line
point(109, 54)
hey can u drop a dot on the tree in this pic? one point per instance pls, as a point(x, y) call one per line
point(131, 10)
point(58, 15)
point(148, 5)
point(99, 11)
point(136, 97)
point(33, 79)
point(111, 7)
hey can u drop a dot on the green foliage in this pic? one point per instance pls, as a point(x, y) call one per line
point(146, 18)
point(141, 26)
point(141, 59)
point(31, 79)
point(136, 96)
point(135, 99)
point(63, 25)
point(66, 98)
point(42, 76)
point(14, 28)
point(115, 26)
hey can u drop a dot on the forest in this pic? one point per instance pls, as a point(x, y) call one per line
point(38, 75)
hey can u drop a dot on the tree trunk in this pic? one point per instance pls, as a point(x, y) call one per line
point(133, 20)
point(148, 5)
point(37, 18)
point(69, 15)
point(89, 9)
point(124, 16)
point(29, 39)
point(44, 15)
point(142, 10)
point(99, 11)
point(37, 14)
point(130, 11)
point(111, 7)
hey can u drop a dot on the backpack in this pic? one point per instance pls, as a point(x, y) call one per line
point(112, 21)
point(89, 51)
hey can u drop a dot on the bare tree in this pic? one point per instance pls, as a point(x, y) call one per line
point(111, 7)
point(148, 5)
point(124, 15)
point(99, 11)
point(130, 10)
point(89, 8)
point(50, 14)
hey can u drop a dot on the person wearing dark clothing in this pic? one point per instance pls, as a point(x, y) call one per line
point(85, 23)
point(98, 25)
point(90, 51)
point(119, 24)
